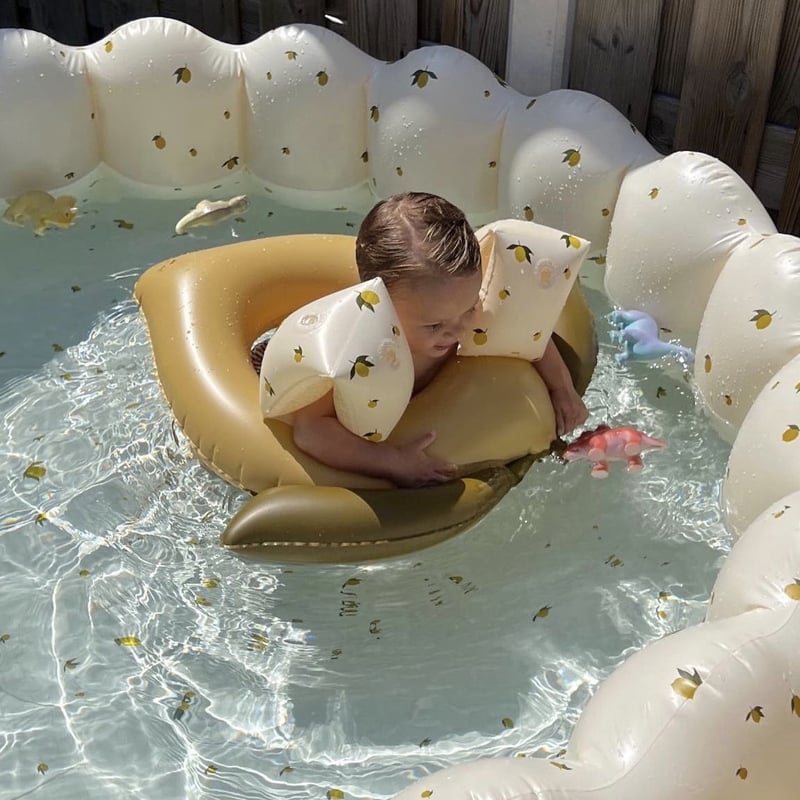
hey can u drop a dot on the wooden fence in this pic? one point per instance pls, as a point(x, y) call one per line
point(720, 76)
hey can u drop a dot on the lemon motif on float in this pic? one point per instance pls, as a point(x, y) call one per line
point(791, 433)
point(298, 354)
point(795, 705)
point(182, 74)
point(653, 193)
point(521, 252)
point(528, 213)
point(159, 141)
point(108, 46)
point(374, 113)
point(291, 54)
point(792, 590)
point(268, 387)
point(322, 78)
point(372, 403)
point(571, 241)
point(479, 336)
point(755, 714)
point(687, 683)
point(361, 367)
point(373, 436)
point(421, 77)
point(504, 294)
point(399, 171)
point(572, 156)
point(707, 363)
point(367, 299)
point(742, 773)
point(365, 156)
point(541, 613)
point(762, 318)
point(605, 211)
point(231, 162)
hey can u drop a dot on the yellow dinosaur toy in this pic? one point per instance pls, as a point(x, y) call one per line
point(42, 210)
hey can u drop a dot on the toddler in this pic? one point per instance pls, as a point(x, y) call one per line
point(424, 249)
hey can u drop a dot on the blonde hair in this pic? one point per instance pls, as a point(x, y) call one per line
point(416, 235)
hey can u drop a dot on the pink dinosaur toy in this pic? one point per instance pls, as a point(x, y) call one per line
point(605, 444)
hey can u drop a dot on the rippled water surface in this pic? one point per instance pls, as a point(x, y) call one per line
point(138, 659)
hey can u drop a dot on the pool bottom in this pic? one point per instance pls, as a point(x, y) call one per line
point(145, 660)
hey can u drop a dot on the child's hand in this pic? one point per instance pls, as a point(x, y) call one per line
point(568, 407)
point(414, 467)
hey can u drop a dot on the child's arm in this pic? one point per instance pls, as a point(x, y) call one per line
point(567, 403)
point(318, 433)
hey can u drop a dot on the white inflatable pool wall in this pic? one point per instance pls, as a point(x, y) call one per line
point(710, 712)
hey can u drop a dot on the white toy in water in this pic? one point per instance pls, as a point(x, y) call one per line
point(211, 212)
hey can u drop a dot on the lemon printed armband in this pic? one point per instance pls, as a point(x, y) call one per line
point(349, 342)
point(528, 273)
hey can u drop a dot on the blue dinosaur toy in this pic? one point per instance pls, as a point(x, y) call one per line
point(638, 332)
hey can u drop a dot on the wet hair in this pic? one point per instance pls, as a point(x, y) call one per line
point(416, 235)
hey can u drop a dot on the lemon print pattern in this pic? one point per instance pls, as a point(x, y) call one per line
point(373, 436)
point(528, 213)
point(755, 714)
point(707, 363)
point(322, 78)
point(686, 684)
point(572, 157)
point(571, 241)
point(421, 77)
point(361, 367)
point(479, 336)
point(762, 318)
point(182, 74)
point(790, 433)
point(298, 354)
point(367, 299)
point(521, 252)
point(792, 590)
point(653, 193)
point(159, 141)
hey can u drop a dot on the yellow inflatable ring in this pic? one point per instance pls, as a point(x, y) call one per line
point(204, 309)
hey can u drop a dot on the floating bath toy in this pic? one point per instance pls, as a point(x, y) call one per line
point(42, 211)
point(212, 212)
point(605, 444)
point(638, 332)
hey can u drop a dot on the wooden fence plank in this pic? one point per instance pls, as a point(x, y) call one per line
point(429, 20)
point(486, 33)
point(64, 21)
point(9, 18)
point(673, 43)
point(275, 13)
point(539, 44)
point(451, 21)
point(733, 48)
point(614, 52)
point(784, 106)
point(386, 29)
point(216, 18)
point(789, 216)
point(106, 15)
point(770, 182)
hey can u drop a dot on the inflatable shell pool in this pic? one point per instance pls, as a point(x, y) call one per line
point(712, 711)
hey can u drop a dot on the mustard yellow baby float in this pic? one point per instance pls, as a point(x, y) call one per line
point(204, 309)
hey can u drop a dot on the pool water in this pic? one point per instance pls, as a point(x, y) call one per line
point(139, 659)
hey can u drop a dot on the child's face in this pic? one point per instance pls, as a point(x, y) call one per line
point(435, 312)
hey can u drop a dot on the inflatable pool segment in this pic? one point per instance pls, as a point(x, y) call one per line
point(709, 712)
